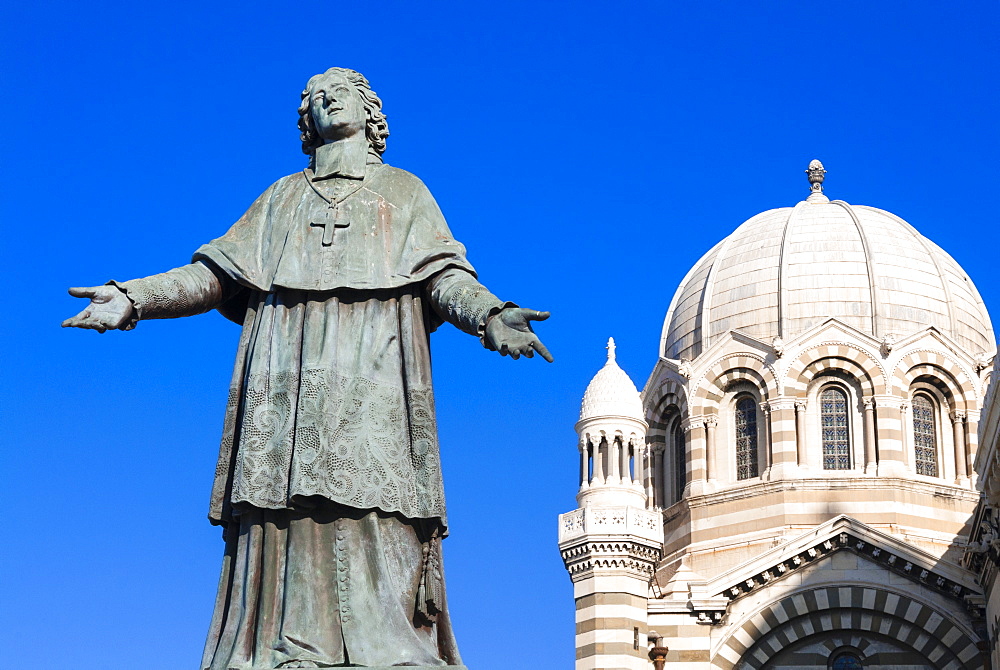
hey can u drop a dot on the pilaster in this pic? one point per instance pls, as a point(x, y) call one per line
point(889, 429)
point(972, 443)
point(871, 458)
point(784, 448)
point(801, 442)
point(958, 440)
point(697, 469)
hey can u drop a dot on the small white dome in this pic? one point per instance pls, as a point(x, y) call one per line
point(611, 392)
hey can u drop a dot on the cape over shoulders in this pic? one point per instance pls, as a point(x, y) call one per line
point(397, 236)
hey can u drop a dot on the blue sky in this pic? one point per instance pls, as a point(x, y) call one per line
point(586, 153)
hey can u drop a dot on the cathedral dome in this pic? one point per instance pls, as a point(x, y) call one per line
point(611, 392)
point(788, 269)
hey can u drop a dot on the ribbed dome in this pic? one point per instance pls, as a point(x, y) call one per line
point(611, 392)
point(788, 269)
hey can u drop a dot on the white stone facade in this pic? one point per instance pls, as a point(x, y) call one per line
point(983, 553)
point(811, 434)
point(612, 543)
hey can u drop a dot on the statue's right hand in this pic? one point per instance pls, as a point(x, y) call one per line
point(109, 308)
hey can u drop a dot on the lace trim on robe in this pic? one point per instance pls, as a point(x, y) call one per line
point(352, 441)
point(184, 291)
point(462, 301)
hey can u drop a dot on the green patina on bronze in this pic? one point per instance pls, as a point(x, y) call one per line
point(328, 481)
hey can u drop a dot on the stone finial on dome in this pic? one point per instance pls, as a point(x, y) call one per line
point(817, 173)
point(611, 392)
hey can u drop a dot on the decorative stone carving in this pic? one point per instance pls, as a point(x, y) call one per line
point(626, 520)
point(628, 557)
point(888, 342)
point(817, 174)
point(779, 347)
point(847, 541)
point(983, 361)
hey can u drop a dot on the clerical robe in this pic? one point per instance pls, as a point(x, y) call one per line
point(328, 478)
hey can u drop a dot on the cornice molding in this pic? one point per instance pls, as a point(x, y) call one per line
point(629, 557)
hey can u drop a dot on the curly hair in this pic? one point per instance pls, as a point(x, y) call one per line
point(376, 128)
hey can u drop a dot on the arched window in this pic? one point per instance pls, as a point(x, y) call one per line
point(846, 660)
point(680, 461)
point(746, 438)
point(924, 436)
point(836, 437)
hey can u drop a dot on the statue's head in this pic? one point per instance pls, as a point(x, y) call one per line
point(341, 81)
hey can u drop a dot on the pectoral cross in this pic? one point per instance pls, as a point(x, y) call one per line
point(330, 221)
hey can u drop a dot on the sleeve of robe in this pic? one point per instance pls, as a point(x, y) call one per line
point(458, 298)
point(184, 291)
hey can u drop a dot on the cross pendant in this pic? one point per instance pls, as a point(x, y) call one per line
point(330, 221)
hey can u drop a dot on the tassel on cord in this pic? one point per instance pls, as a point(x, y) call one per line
point(430, 593)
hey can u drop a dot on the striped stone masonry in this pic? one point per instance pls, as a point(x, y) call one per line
point(885, 378)
point(783, 441)
point(920, 610)
point(827, 368)
point(889, 436)
point(610, 554)
point(611, 631)
point(689, 641)
point(911, 623)
point(722, 521)
point(982, 555)
point(697, 454)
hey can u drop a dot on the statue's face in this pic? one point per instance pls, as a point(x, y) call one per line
point(337, 109)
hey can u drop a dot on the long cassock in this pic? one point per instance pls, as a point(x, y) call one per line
point(329, 480)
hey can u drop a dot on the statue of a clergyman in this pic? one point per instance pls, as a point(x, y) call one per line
point(329, 482)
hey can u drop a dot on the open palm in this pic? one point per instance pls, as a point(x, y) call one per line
point(109, 308)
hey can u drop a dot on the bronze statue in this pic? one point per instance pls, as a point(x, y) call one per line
point(328, 481)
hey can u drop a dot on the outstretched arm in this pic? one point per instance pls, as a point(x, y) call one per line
point(501, 326)
point(184, 291)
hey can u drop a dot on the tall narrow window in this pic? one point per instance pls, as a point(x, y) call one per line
point(836, 437)
point(680, 461)
point(924, 436)
point(746, 438)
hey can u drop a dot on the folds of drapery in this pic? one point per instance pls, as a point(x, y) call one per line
point(330, 585)
point(328, 479)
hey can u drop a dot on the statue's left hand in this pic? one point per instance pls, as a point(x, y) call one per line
point(509, 332)
point(109, 308)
